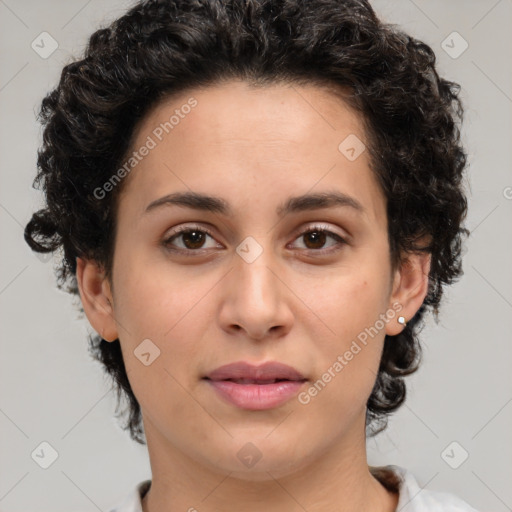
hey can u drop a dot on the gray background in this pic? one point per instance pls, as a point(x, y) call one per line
point(51, 391)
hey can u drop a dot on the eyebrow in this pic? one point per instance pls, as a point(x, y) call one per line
point(296, 204)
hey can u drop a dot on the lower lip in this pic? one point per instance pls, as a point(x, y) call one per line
point(256, 397)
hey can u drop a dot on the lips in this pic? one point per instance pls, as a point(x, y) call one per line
point(255, 381)
point(256, 388)
point(246, 373)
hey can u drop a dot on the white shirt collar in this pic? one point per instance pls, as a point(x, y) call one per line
point(412, 497)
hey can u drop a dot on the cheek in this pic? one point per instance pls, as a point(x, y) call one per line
point(349, 306)
point(154, 297)
point(346, 302)
point(164, 308)
point(169, 306)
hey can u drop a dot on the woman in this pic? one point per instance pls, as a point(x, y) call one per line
point(257, 203)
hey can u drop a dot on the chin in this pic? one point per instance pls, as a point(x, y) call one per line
point(260, 460)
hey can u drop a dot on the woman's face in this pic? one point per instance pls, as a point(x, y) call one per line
point(248, 283)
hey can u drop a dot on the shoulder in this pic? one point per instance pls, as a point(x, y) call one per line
point(133, 502)
point(413, 498)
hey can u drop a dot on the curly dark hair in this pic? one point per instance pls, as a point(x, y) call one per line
point(161, 47)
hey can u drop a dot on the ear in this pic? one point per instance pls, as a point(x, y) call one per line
point(410, 287)
point(96, 296)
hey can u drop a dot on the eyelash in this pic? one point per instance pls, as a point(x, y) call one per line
point(315, 228)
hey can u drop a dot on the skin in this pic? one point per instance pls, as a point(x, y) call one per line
point(254, 148)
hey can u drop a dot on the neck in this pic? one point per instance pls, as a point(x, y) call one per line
point(338, 479)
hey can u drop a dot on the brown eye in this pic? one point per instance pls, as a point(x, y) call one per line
point(193, 239)
point(188, 239)
point(314, 239)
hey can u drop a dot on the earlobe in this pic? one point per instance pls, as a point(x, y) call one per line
point(410, 287)
point(96, 297)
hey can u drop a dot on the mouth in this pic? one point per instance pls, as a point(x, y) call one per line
point(255, 381)
point(269, 371)
point(255, 387)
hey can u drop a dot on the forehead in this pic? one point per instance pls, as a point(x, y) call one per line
point(281, 137)
point(237, 108)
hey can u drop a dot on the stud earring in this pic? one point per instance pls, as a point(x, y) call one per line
point(401, 320)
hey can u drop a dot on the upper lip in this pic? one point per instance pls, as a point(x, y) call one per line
point(266, 371)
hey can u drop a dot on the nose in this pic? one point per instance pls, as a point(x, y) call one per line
point(256, 299)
